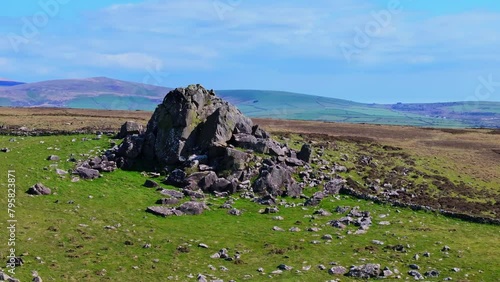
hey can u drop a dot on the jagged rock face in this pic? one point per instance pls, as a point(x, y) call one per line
point(190, 121)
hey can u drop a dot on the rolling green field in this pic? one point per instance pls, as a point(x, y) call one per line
point(97, 230)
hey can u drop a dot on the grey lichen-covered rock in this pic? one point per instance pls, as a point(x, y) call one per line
point(366, 271)
point(192, 208)
point(131, 147)
point(87, 173)
point(39, 189)
point(305, 153)
point(130, 128)
point(274, 180)
point(334, 186)
point(164, 211)
point(190, 121)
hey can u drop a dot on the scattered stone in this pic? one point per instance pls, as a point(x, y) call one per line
point(334, 186)
point(192, 208)
point(269, 210)
point(327, 237)
point(276, 228)
point(414, 266)
point(432, 273)
point(315, 199)
point(201, 278)
point(340, 209)
point(284, 267)
point(260, 269)
point(5, 150)
point(87, 173)
point(294, 229)
point(415, 274)
point(53, 158)
point(365, 271)
point(279, 217)
point(39, 189)
point(313, 229)
point(150, 184)
point(61, 172)
point(321, 267)
point(377, 242)
point(445, 249)
point(164, 211)
point(337, 270)
point(204, 246)
point(455, 269)
point(172, 193)
point(386, 272)
point(322, 212)
point(234, 211)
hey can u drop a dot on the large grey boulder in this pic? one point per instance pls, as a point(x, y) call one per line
point(190, 121)
point(131, 147)
point(274, 180)
point(305, 153)
point(192, 208)
point(87, 173)
point(130, 128)
point(334, 186)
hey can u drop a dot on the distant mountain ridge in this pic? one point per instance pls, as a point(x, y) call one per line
point(9, 83)
point(112, 94)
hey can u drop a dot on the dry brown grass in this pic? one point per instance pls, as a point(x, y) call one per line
point(69, 119)
point(470, 151)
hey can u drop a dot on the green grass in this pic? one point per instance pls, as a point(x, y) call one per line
point(71, 252)
point(113, 102)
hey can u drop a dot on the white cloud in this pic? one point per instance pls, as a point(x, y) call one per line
point(190, 35)
point(125, 60)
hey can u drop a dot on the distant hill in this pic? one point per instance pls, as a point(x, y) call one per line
point(4, 83)
point(92, 93)
point(106, 93)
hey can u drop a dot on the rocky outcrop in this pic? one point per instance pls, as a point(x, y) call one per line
point(204, 145)
point(191, 121)
point(194, 127)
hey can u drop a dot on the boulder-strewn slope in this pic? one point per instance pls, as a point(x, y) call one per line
point(206, 143)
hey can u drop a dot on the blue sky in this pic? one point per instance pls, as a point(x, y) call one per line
point(378, 51)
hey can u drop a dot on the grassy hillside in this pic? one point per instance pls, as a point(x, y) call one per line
point(97, 230)
point(286, 105)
